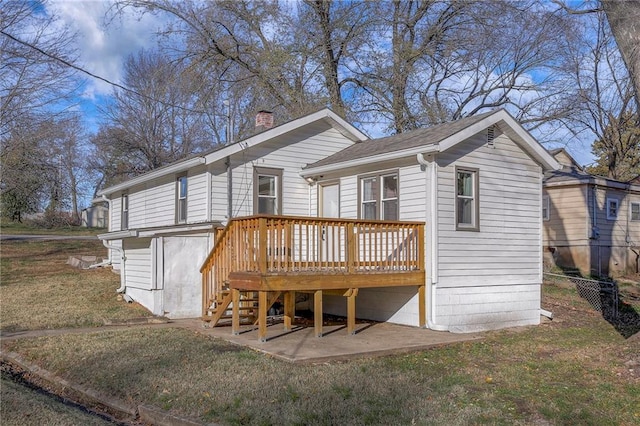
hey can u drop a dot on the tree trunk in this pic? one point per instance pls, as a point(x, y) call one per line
point(624, 20)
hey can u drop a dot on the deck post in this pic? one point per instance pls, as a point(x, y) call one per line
point(235, 311)
point(317, 313)
point(351, 249)
point(351, 311)
point(289, 309)
point(262, 245)
point(422, 311)
point(262, 316)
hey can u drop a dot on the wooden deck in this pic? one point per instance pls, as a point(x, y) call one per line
point(258, 259)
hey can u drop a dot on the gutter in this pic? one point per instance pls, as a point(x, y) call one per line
point(431, 214)
point(162, 171)
point(316, 171)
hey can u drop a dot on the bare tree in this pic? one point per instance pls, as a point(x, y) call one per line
point(160, 119)
point(605, 100)
point(36, 90)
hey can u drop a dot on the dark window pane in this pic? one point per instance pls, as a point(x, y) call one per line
point(390, 188)
point(369, 189)
point(267, 185)
point(390, 210)
point(465, 211)
point(266, 205)
point(369, 211)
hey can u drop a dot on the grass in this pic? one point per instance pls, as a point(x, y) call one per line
point(576, 369)
point(17, 228)
point(39, 291)
point(27, 407)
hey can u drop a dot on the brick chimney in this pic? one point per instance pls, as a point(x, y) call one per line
point(264, 120)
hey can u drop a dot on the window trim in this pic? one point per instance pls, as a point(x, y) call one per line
point(617, 203)
point(475, 223)
point(379, 209)
point(179, 198)
point(124, 212)
point(546, 204)
point(631, 204)
point(267, 171)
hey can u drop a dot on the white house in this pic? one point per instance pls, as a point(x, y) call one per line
point(475, 185)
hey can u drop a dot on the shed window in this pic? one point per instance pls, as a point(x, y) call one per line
point(379, 197)
point(612, 208)
point(545, 207)
point(635, 211)
point(124, 214)
point(181, 202)
point(467, 203)
point(267, 191)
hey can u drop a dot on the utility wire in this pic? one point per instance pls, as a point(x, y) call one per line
point(89, 73)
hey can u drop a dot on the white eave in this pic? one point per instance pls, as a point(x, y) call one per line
point(118, 235)
point(338, 123)
point(177, 229)
point(178, 167)
point(315, 171)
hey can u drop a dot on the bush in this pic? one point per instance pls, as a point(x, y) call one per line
point(53, 219)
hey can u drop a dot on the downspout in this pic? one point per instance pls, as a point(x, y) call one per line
point(431, 215)
point(229, 189)
point(109, 261)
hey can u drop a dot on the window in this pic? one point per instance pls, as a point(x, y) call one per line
point(181, 199)
point(124, 214)
point(635, 211)
point(467, 203)
point(612, 208)
point(545, 207)
point(379, 197)
point(267, 191)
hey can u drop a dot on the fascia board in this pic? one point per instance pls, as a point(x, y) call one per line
point(368, 160)
point(592, 180)
point(521, 136)
point(118, 235)
point(154, 174)
point(175, 229)
point(341, 125)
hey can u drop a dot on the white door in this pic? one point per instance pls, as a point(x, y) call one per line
point(329, 207)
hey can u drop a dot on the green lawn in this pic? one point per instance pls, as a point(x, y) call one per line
point(39, 290)
point(576, 369)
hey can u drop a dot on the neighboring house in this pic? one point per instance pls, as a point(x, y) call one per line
point(465, 197)
point(591, 223)
point(96, 216)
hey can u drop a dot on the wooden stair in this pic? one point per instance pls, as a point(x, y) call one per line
point(219, 311)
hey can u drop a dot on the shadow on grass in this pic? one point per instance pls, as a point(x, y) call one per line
point(604, 297)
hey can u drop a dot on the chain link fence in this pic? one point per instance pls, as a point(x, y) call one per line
point(603, 296)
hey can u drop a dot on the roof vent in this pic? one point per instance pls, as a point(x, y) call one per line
point(490, 136)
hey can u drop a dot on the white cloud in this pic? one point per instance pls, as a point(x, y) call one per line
point(103, 43)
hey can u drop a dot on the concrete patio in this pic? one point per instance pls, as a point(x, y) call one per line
point(371, 339)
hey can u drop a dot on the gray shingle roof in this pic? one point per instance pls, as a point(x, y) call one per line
point(401, 141)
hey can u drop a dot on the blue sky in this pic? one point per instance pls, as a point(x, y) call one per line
point(102, 50)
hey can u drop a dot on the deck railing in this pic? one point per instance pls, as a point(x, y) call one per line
point(307, 245)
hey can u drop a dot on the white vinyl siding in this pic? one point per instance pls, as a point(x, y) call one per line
point(197, 196)
point(290, 153)
point(138, 269)
point(506, 250)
